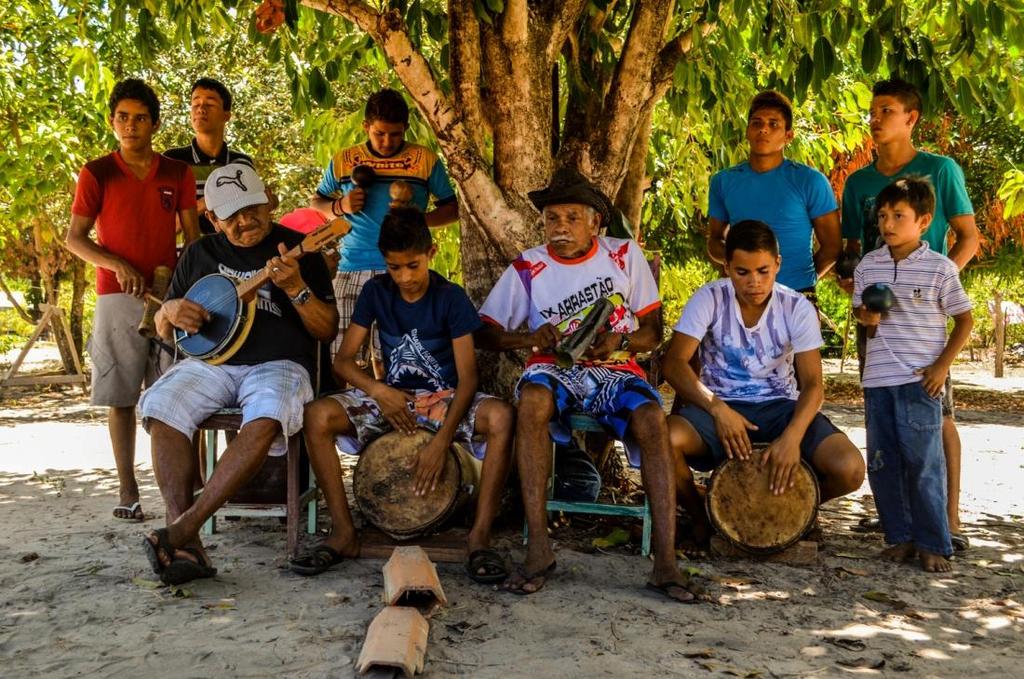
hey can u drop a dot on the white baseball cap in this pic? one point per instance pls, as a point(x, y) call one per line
point(233, 187)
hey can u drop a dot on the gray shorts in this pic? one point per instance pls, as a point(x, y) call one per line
point(122, 359)
point(347, 286)
point(193, 390)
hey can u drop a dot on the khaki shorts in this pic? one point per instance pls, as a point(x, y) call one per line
point(122, 359)
point(347, 286)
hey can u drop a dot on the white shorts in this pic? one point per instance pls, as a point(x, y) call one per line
point(193, 390)
point(122, 359)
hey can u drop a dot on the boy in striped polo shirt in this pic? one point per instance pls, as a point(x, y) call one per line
point(908, 358)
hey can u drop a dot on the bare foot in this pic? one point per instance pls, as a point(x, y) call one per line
point(934, 563)
point(900, 553)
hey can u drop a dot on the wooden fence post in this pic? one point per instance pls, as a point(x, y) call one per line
point(1000, 332)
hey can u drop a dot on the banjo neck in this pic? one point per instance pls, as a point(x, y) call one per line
point(313, 242)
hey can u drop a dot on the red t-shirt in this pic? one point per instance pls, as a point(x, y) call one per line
point(135, 218)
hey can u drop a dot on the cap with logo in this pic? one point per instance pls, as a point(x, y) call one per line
point(232, 188)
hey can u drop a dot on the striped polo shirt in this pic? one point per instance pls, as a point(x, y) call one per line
point(202, 166)
point(912, 334)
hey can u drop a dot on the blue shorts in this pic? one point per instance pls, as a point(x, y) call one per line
point(609, 396)
point(771, 418)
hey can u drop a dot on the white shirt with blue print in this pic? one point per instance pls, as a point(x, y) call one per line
point(750, 364)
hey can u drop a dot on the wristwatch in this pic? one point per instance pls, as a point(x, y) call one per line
point(302, 297)
point(624, 344)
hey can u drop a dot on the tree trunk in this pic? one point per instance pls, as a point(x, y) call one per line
point(77, 308)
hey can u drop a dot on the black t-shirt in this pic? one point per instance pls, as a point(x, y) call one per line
point(277, 332)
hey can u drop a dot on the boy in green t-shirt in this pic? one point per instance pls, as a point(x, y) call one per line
point(895, 111)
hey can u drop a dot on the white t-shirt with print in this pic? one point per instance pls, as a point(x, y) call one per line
point(541, 287)
point(750, 364)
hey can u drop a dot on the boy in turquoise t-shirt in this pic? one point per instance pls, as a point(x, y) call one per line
point(895, 111)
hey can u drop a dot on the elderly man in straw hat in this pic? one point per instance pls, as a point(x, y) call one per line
point(542, 297)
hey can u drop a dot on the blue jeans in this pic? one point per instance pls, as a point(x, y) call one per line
point(906, 465)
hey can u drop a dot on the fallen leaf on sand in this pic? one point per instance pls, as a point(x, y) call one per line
point(222, 605)
point(852, 571)
point(31, 556)
point(181, 592)
point(705, 653)
point(850, 555)
point(862, 663)
point(883, 598)
point(618, 536)
point(147, 584)
point(734, 581)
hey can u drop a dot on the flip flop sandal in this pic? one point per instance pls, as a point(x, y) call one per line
point(960, 542)
point(869, 524)
point(183, 570)
point(527, 577)
point(491, 562)
point(163, 543)
point(131, 509)
point(316, 561)
point(664, 589)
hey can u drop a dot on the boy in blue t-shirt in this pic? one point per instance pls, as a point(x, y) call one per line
point(426, 327)
point(795, 200)
point(905, 369)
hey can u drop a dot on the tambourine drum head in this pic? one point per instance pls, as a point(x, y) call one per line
point(744, 511)
point(216, 294)
point(384, 480)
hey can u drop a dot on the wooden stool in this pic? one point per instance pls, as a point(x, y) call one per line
point(244, 503)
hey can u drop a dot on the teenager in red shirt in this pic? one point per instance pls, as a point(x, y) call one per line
point(133, 197)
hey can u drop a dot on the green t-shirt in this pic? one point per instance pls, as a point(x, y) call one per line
point(860, 220)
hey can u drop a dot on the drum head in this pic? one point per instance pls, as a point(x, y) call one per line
point(745, 513)
point(218, 295)
point(384, 480)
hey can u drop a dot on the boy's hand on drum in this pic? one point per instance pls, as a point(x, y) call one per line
point(396, 406)
point(782, 457)
point(933, 379)
point(429, 465)
point(732, 430)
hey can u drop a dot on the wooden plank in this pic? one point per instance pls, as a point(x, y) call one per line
point(1000, 332)
point(44, 379)
point(446, 547)
point(40, 327)
point(803, 553)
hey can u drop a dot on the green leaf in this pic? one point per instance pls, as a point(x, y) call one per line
point(318, 87)
point(871, 52)
point(996, 20)
point(291, 14)
point(618, 536)
point(496, 6)
point(824, 57)
point(804, 73)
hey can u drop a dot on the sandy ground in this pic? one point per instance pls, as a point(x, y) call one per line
point(77, 597)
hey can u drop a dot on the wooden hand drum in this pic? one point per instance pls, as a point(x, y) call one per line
point(385, 477)
point(745, 512)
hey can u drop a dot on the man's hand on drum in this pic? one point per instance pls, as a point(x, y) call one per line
point(284, 272)
point(544, 338)
point(429, 465)
point(185, 314)
point(782, 457)
point(732, 430)
point(396, 406)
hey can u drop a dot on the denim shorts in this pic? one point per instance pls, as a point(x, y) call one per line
point(771, 418)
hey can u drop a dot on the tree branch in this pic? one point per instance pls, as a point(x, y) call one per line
point(24, 315)
point(562, 26)
point(675, 50)
point(630, 84)
point(464, 68)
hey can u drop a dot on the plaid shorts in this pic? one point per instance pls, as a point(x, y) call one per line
point(347, 286)
point(609, 396)
point(193, 390)
point(430, 408)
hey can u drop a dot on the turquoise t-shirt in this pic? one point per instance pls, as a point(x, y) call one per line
point(860, 220)
point(785, 198)
point(417, 165)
